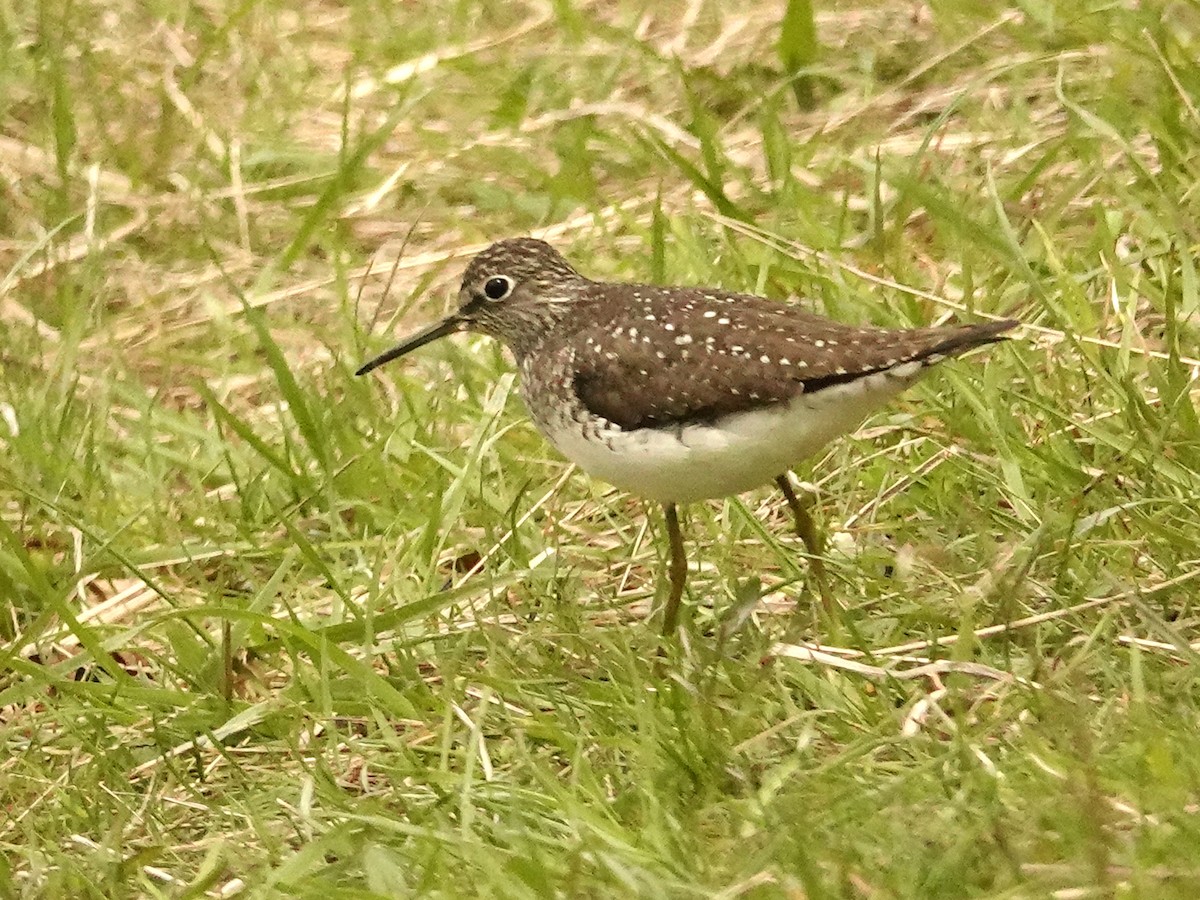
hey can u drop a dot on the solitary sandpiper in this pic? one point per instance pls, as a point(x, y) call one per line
point(677, 393)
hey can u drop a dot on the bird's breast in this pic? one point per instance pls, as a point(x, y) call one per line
point(734, 453)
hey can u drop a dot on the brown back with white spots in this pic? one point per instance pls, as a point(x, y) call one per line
point(651, 356)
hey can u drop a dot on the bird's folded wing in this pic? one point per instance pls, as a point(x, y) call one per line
point(695, 356)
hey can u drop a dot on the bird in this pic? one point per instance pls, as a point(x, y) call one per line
point(681, 394)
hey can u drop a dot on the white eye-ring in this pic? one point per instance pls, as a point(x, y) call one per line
point(497, 287)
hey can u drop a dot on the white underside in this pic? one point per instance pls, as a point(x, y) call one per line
point(734, 454)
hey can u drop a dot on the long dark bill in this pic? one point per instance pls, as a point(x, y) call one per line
point(448, 325)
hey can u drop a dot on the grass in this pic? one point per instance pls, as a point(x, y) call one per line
point(272, 630)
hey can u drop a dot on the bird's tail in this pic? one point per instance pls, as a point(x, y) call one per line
point(968, 337)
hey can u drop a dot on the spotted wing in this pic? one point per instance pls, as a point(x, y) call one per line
point(674, 357)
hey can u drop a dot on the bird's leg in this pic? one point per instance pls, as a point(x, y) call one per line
point(678, 570)
point(807, 529)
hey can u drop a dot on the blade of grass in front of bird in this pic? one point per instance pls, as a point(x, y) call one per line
point(798, 48)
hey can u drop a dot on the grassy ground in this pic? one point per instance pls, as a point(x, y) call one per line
point(268, 629)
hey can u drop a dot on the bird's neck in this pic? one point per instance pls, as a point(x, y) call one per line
point(526, 328)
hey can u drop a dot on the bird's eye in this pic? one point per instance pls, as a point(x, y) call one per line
point(497, 288)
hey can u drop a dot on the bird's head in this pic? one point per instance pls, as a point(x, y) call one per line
point(514, 291)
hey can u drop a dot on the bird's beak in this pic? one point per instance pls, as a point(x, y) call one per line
point(448, 325)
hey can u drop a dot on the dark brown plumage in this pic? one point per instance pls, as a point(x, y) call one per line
point(687, 354)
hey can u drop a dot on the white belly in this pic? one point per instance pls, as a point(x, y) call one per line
point(733, 454)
